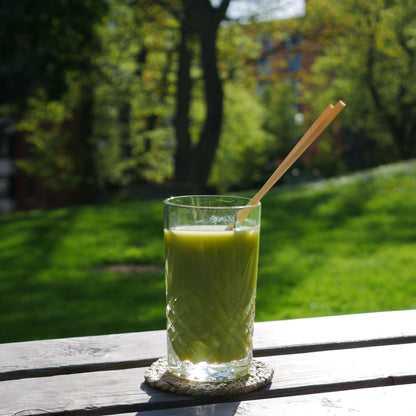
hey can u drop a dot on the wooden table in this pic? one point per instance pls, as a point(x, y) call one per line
point(352, 364)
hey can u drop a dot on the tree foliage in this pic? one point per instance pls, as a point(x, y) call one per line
point(283, 118)
point(121, 92)
point(42, 41)
point(244, 148)
point(50, 143)
point(369, 59)
point(133, 130)
point(48, 73)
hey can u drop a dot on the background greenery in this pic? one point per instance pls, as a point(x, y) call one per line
point(338, 246)
point(95, 93)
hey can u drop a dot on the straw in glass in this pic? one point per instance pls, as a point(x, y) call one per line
point(320, 124)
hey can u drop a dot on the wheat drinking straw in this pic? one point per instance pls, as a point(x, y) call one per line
point(320, 124)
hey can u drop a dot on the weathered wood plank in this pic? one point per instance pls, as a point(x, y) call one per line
point(335, 332)
point(380, 401)
point(296, 374)
point(70, 355)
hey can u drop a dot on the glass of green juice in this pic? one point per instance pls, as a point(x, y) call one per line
point(211, 264)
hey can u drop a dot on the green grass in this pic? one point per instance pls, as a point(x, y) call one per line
point(346, 245)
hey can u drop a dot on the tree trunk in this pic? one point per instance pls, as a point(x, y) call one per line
point(83, 133)
point(204, 152)
point(183, 102)
point(193, 165)
point(404, 139)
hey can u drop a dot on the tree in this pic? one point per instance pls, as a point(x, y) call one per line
point(369, 60)
point(47, 56)
point(244, 149)
point(133, 127)
point(193, 162)
point(281, 104)
point(149, 104)
point(42, 41)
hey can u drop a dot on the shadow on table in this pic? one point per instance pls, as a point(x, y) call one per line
point(223, 409)
point(209, 409)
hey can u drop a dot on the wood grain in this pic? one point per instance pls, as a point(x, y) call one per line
point(72, 355)
point(110, 352)
point(296, 374)
point(334, 332)
point(380, 401)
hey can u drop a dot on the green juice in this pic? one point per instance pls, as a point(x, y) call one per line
point(211, 277)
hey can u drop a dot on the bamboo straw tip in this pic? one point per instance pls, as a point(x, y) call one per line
point(341, 103)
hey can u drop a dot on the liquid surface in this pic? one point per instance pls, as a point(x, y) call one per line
point(211, 277)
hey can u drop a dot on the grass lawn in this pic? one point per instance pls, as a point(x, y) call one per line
point(345, 245)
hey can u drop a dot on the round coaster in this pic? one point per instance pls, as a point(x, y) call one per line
point(259, 375)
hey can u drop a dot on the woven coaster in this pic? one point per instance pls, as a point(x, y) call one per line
point(259, 375)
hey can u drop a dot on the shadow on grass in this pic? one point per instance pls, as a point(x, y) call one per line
point(31, 240)
point(97, 304)
point(300, 234)
point(48, 278)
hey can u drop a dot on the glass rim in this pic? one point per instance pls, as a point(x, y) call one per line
point(245, 200)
